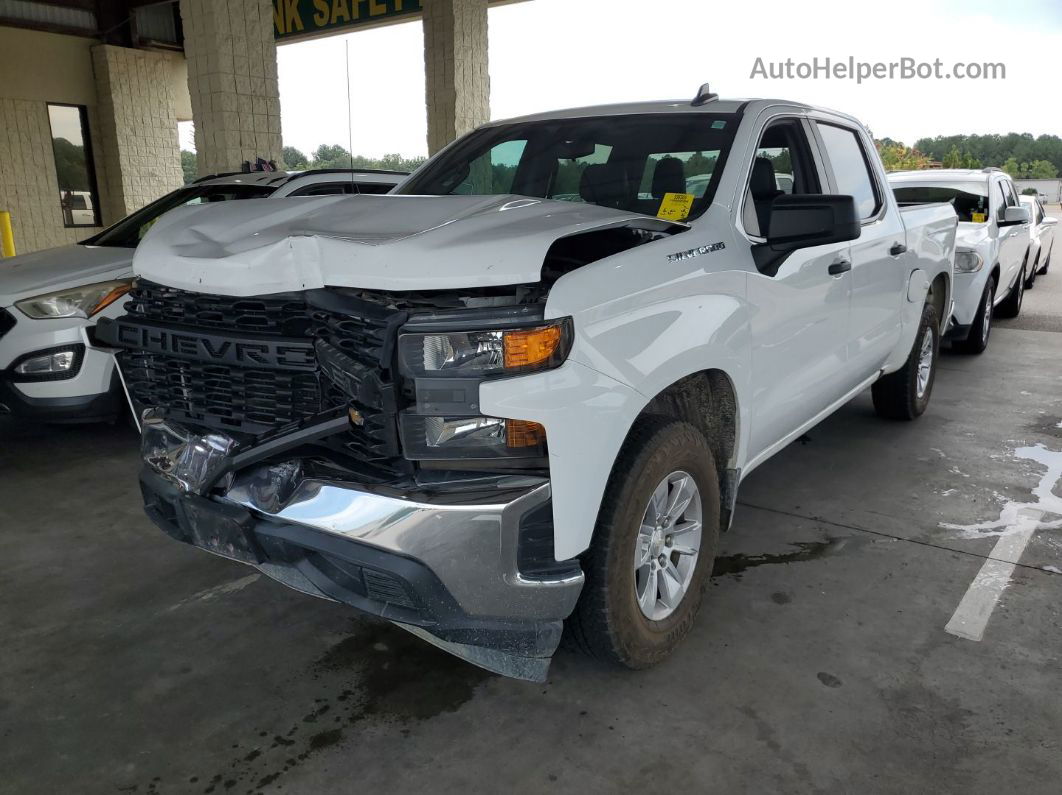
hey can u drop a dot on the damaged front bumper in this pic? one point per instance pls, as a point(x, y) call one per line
point(452, 570)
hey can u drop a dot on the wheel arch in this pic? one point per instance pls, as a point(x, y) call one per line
point(708, 400)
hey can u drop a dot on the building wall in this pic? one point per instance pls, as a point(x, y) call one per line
point(232, 74)
point(38, 68)
point(139, 149)
point(457, 82)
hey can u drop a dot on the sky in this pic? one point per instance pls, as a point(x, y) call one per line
point(548, 54)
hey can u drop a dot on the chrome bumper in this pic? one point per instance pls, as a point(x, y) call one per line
point(472, 549)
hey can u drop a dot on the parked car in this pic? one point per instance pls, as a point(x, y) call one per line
point(51, 367)
point(477, 411)
point(1041, 239)
point(992, 262)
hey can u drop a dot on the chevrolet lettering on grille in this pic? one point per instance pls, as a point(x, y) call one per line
point(221, 348)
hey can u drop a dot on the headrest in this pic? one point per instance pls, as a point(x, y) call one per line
point(604, 184)
point(669, 177)
point(762, 184)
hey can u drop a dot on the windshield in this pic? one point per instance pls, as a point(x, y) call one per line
point(128, 232)
point(621, 162)
point(970, 199)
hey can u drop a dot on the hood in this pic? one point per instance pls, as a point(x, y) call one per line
point(372, 242)
point(57, 268)
point(972, 236)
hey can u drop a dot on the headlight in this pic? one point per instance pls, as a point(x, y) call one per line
point(427, 438)
point(83, 301)
point(968, 261)
point(487, 353)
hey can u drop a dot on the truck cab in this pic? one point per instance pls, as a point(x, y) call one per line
point(520, 392)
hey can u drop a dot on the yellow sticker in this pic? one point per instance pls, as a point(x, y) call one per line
point(978, 218)
point(675, 206)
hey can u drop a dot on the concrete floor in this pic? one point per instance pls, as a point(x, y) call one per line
point(820, 662)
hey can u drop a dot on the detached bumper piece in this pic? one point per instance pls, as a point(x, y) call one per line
point(448, 573)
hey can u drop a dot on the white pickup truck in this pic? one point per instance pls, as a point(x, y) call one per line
point(479, 411)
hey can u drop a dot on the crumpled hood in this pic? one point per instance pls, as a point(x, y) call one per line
point(972, 236)
point(373, 242)
point(57, 268)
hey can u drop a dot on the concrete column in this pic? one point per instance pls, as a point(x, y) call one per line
point(232, 79)
point(455, 61)
point(137, 119)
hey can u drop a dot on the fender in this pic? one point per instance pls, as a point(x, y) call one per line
point(640, 319)
point(910, 317)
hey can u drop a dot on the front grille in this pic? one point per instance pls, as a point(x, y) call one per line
point(222, 396)
point(352, 350)
point(282, 314)
point(7, 322)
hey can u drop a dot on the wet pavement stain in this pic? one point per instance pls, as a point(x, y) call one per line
point(806, 550)
point(380, 672)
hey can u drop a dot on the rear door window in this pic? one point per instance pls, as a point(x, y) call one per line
point(851, 167)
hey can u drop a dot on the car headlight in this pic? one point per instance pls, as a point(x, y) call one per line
point(83, 301)
point(486, 353)
point(446, 368)
point(968, 261)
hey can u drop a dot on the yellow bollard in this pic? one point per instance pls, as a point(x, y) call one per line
point(7, 237)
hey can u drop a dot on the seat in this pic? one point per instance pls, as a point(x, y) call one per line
point(605, 184)
point(669, 176)
point(764, 190)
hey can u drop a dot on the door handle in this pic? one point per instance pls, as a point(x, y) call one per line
point(897, 249)
point(839, 267)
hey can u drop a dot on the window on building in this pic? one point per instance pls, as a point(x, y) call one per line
point(76, 175)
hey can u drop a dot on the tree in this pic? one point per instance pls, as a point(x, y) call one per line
point(294, 159)
point(953, 159)
point(1012, 167)
point(188, 166)
point(897, 157)
point(1041, 169)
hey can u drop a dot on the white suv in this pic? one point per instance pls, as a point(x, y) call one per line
point(51, 368)
point(993, 244)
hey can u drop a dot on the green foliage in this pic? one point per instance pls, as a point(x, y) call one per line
point(70, 165)
point(1021, 155)
point(897, 157)
point(1029, 192)
point(294, 159)
point(188, 166)
point(336, 156)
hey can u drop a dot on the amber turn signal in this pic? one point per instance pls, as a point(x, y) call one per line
point(532, 346)
point(524, 433)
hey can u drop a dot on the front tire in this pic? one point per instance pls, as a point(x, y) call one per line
point(977, 339)
point(1011, 305)
point(1030, 282)
point(653, 547)
point(904, 395)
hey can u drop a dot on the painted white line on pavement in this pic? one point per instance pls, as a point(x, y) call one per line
point(972, 614)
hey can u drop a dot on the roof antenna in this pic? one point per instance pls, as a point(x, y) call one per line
point(704, 96)
point(350, 125)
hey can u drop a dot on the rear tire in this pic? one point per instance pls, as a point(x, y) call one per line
point(1035, 269)
point(1047, 263)
point(611, 621)
point(977, 339)
point(1011, 305)
point(904, 395)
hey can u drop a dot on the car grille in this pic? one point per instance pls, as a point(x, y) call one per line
point(352, 350)
point(7, 322)
point(282, 314)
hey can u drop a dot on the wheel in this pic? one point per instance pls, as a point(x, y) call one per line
point(904, 395)
point(653, 547)
point(977, 340)
point(1030, 281)
point(1011, 305)
point(1047, 262)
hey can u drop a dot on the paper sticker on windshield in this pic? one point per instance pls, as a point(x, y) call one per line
point(675, 206)
point(978, 218)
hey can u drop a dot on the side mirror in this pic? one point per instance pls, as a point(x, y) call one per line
point(805, 220)
point(1049, 220)
point(1013, 216)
